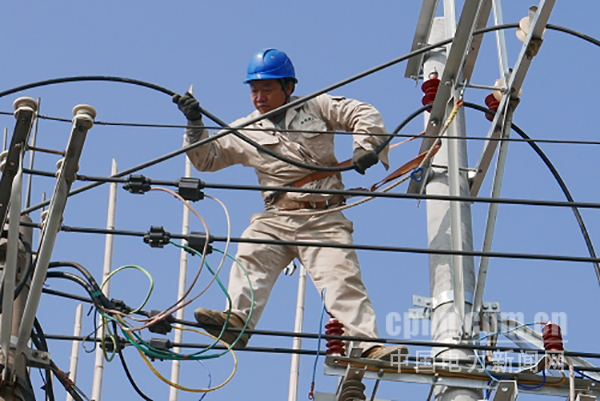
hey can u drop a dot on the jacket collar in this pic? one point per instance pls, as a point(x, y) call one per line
point(290, 114)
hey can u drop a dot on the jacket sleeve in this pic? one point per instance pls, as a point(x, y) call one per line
point(215, 155)
point(358, 117)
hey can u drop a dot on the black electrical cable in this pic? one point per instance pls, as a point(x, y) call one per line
point(508, 255)
point(297, 351)
point(390, 341)
point(222, 133)
point(580, 35)
point(398, 135)
point(39, 340)
point(561, 183)
point(126, 368)
point(417, 343)
point(282, 108)
point(75, 279)
point(348, 192)
point(93, 288)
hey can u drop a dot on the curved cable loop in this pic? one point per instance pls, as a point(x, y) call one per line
point(214, 137)
point(559, 180)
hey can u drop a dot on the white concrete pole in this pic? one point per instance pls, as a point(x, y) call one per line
point(74, 359)
point(106, 268)
point(297, 343)
point(446, 320)
point(183, 260)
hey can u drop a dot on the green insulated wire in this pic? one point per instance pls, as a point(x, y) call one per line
point(136, 340)
point(136, 268)
point(194, 252)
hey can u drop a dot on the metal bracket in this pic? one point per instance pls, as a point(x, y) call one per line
point(424, 310)
point(352, 387)
point(33, 357)
point(491, 307)
point(507, 391)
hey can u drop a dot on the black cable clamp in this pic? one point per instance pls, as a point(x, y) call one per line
point(120, 306)
point(197, 241)
point(163, 326)
point(109, 344)
point(160, 344)
point(190, 188)
point(157, 237)
point(137, 184)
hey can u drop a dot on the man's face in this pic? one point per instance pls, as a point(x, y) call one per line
point(267, 94)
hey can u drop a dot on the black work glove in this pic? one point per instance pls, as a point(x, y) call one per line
point(189, 106)
point(363, 159)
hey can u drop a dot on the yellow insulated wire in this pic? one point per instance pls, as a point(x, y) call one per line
point(194, 390)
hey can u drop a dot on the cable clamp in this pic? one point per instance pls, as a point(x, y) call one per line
point(157, 237)
point(163, 326)
point(197, 241)
point(137, 184)
point(190, 188)
point(120, 306)
point(109, 344)
point(160, 344)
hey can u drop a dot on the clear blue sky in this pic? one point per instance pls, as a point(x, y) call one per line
point(208, 44)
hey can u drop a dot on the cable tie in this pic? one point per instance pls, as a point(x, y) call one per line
point(190, 188)
point(197, 241)
point(137, 184)
point(157, 237)
point(96, 294)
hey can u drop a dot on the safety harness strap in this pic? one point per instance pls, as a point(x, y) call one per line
point(319, 175)
point(406, 168)
point(402, 170)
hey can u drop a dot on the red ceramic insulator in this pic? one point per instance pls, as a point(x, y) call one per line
point(335, 328)
point(552, 336)
point(492, 104)
point(430, 88)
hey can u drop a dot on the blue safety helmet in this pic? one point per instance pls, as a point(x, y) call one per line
point(270, 64)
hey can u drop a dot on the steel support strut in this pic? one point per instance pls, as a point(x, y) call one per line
point(83, 120)
point(25, 111)
point(515, 81)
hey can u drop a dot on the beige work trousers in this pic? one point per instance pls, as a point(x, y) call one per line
point(334, 269)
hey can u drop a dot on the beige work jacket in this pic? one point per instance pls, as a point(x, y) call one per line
point(323, 113)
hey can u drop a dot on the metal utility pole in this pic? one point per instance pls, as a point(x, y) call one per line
point(181, 287)
point(449, 226)
point(297, 343)
point(106, 268)
point(74, 360)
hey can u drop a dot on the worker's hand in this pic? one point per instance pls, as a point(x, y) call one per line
point(363, 159)
point(189, 106)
